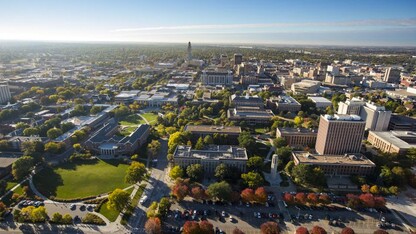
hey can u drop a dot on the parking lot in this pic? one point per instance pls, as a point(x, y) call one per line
point(333, 218)
point(74, 209)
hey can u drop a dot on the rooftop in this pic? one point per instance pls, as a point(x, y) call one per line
point(347, 159)
point(320, 99)
point(212, 129)
point(297, 130)
point(341, 117)
point(212, 152)
point(401, 139)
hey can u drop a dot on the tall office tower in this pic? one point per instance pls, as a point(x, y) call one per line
point(376, 117)
point(189, 51)
point(5, 95)
point(238, 59)
point(340, 134)
point(392, 75)
point(224, 60)
point(350, 107)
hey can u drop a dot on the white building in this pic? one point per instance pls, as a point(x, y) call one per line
point(5, 95)
point(217, 77)
point(351, 106)
point(377, 118)
point(321, 102)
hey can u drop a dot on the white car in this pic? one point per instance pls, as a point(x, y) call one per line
point(223, 214)
point(231, 218)
point(143, 199)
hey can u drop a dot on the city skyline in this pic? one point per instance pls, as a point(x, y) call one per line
point(243, 22)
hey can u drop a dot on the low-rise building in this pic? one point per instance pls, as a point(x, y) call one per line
point(306, 86)
point(298, 137)
point(246, 100)
point(402, 123)
point(251, 115)
point(231, 132)
point(6, 165)
point(321, 102)
point(392, 141)
point(217, 77)
point(283, 103)
point(211, 157)
point(347, 164)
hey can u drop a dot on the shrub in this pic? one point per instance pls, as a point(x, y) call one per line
point(91, 218)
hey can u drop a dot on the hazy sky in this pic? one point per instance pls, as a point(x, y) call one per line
point(361, 22)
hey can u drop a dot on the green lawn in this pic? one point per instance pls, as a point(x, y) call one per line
point(110, 214)
point(10, 185)
point(131, 120)
point(78, 180)
point(151, 117)
point(128, 130)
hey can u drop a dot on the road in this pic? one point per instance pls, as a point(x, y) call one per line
point(155, 189)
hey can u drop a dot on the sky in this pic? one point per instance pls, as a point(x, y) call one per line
point(301, 22)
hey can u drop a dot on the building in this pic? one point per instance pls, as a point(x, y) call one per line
point(347, 164)
point(231, 132)
point(402, 123)
point(238, 59)
point(321, 102)
point(283, 103)
point(6, 165)
point(376, 118)
point(5, 95)
point(126, 97)
point(250, 114)
point(408, 93)
point(391, 75)
point(224, 60)
point(298, 137)
point(249, 80)
point(340, 134)
point(351, 106)
point(246, 100)
point(211, 157)
point(189, 51)
point(306, 86)
point(105, 141)
point(392, 141)
point(16, 142)
point(217, 77)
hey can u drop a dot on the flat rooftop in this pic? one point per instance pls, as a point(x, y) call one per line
point(297, 130)
point(394, 137)
point(347, 159)
point(213, 129)
point(6, 161)
point(320, 100)
point(215, 152)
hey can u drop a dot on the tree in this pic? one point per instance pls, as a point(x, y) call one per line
point(411, 155)
point(21, 167)
point(365, 188)
point(199, 144)
point(312, 198)
point(300, 198)
point(298, 121)
point(176, 172)
point(237, 231)
point(399, 176)
point(198, 192)
point(206, 227)
point(56, 217)
point(208, 140)
point(279, 142)
point(347, 230)
point(374, 189)
point(261, 195)
point(386, 175)
point(289, 167)
point(287, 197)
point(380, 231)
point(270, 228)
point(153, 147)
point(302, 230)
point(164, 206)
point(220, 190)
point(255, 163)
point(67, 219)
point(317, 230)
point(252, 179)
point(191, 227)
point(118, 199)
point(54, 148)
point(222, 172)
point(122, 111)
point(54, 133)
point(153, 226)
point(77, 147)
point(180, 189)
point(31, 131)
point(367, 199)
point(246, 141)
point(135, 172)
point(95, 110)
point(394, 190)
point(324, 199)
point(195, 172)
point(248, 195)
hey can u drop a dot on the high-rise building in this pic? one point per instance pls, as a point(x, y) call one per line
point(376, 118)
point(224, 60)
point(217, 77)
point(238, 59)
point(350, 107)
point(189, 51)
point(5, 95)
point(392, 75)
point(340, 134)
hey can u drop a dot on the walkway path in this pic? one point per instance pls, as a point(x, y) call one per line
point(35, 190)
point(268, 158)
point(145, 120)
point(14, 188)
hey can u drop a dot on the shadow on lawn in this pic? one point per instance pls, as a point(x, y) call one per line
point(47, 181)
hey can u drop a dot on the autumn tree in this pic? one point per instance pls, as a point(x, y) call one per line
point(365, 188)
point(300, 198)
point(237, 231)
point(191, 227)
point(118, 199)
point(206, 227)
point(247, 195)
point(312, 198)
point(270, 228)
point(287, 197)
point(380, 231)
point(261, 195)
point(198, 192)
point(302, 230)
point(180, 189)
point(317, 230)
point(176, 172)
point(153, 226)
point(347, 230)
point(135, 172)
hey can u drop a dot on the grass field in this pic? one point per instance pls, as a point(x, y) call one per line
point(78, 180)
point(110, 214)
point(132, 120)
point(151, 117)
